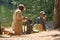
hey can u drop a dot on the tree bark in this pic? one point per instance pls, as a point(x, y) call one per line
point(46, 7)
point(0, 28)
point(56, 18)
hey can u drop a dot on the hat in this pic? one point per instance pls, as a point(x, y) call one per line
point(21, 5)
point(42, 12)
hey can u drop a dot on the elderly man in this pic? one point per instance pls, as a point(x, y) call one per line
point(17, 20)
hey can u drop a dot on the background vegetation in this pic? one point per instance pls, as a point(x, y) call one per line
point(33, 7)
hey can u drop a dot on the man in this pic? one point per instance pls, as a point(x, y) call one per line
point(41, 19)
point(17, 20)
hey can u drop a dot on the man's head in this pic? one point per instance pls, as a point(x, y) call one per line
point(21, 7)
point(42, 13)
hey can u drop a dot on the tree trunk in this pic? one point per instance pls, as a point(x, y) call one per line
point(46, 7)
point(56, 19)
point(0, 29)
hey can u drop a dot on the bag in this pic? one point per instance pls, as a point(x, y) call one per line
point(40, 27)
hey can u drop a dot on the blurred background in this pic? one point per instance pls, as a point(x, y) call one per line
point(33, 7)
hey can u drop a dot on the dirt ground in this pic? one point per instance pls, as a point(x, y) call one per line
point(46, 35)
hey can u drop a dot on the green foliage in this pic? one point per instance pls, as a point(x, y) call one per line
point(33, 7)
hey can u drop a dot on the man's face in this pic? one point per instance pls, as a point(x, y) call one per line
point(41, 15)
point(21, 8)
